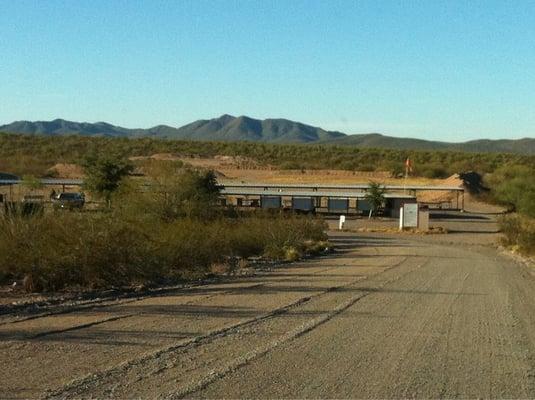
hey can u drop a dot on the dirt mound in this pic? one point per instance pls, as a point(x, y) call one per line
point(239, 162)
point(440, 196)
point(365, 176)
point(224, 159)
point(436, 197)
point(471, 181)
point(165, 157)
point(157, 156)
point(67, 171)
point(196, 162)
point(454, 180)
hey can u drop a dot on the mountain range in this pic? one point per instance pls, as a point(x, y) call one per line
point(229, 128)
point(224, 128)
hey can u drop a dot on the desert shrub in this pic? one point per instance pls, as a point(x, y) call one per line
point(511, 227)
point(291, 164)
point(71, 248)
point(396, 168)
point(519, 232)
point(291, 253)
point(315, 247)
point(349, 165)
point(104, 173)
point(113, 249)
point(514, 187)
point(170, 192)
point(434, 171)
point(289, 233)
point(368, 167)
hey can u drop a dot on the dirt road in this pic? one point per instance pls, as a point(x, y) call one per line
point(385, 316)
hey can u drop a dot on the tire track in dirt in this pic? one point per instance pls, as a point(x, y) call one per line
point(78, 388)
point(182, 345)
point(116, 302)
point(291, 335)
point(102, 320)
point(449, 331)
point(90, 305)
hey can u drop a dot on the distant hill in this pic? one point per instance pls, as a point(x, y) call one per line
point(224, 128)
point(376, 140)
point(520, 146)
point(62, 127)
point(229, 128)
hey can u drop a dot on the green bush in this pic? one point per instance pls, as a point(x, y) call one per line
point(434, 172)
point(514, 187)
point(104, 173)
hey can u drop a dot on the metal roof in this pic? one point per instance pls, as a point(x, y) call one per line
point(46, 181)
point(5, 175)
point(272, 187)
point(304, 193)
point(312, 186)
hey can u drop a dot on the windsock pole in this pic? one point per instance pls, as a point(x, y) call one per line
point(407, 167)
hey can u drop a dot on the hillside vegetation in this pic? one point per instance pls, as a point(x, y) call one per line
point(243, 128)
point(34, 155)
point(514, 187)
point(375, 140)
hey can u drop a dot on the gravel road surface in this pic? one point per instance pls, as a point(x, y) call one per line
point(386, 316)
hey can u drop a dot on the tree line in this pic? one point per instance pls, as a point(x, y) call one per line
point(33, 155)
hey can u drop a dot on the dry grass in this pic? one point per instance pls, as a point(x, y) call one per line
point(65, 249)
point(519, 233)
point(67, 171)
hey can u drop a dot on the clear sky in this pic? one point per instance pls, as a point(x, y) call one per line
point(446, 70)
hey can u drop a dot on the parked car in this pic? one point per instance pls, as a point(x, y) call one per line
point(68, 201)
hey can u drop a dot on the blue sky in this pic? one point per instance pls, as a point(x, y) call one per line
point(449, 70)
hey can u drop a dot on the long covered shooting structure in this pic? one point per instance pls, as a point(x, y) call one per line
point(326, 198)
point(312, 201)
